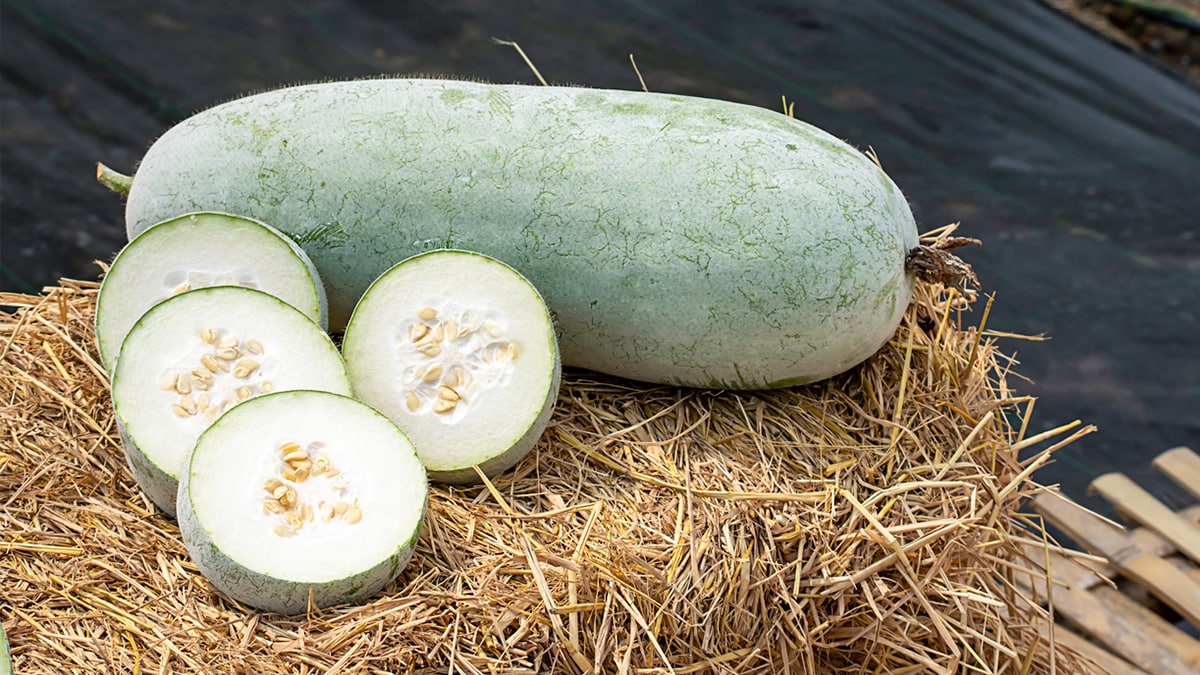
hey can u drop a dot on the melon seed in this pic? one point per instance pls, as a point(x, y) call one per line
point(244, 367)
point(188, 404)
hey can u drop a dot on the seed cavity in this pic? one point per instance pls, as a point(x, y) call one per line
point(292, 500)
point(206, 376)
point(451, 354)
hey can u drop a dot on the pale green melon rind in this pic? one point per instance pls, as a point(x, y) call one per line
point(6, 666)
point(261, 591)
point(676, 239)
point(127, 272)
point(159, 483)
point(360, 357)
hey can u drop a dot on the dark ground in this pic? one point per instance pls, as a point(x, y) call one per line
point(1074, 156)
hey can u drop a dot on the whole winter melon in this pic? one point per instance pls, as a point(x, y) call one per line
point(676, 239)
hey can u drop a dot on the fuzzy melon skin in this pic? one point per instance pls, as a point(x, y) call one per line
point(678, 240)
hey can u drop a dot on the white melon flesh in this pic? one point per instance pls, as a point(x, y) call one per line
point(195, 251)
point(194, 356)
point(301, 497)
point(459, 350)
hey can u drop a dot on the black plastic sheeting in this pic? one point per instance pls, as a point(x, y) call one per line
point(1076, 161)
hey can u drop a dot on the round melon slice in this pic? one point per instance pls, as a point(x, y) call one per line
point(194, 356)
point(195, 251)
point(299, 499)
point(459, 350)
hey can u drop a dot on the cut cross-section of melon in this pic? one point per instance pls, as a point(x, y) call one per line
point(195, 251)
point(194, 356)
point(301, 497)
point(459, 350)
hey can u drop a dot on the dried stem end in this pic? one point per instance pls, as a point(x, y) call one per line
point(934, 263)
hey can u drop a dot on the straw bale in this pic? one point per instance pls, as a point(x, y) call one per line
point(869, 523)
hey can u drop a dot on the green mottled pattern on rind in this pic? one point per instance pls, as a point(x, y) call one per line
point(262, 591)
point(676, 239)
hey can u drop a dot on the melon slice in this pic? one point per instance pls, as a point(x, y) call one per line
point(195, 251)
point(194, 356)
point(301, 499)
point(459, 350)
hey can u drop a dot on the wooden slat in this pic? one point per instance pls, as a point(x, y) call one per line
point(1102, 616)
point(1145, 540)
point(1162, 578)
point(1141, 506)
point(1128, 629)
point(1090, 650)
point(1182, 466)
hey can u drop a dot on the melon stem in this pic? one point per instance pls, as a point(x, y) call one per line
point(934, 263)
point(113, 180)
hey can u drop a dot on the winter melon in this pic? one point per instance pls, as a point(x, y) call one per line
point(301, 498)
point(676, 239)
point(196, 355)
point(197, 250)
point(458, 349)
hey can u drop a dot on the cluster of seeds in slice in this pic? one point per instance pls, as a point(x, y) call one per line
point(226, 373)
point(284, 502)
point(452, 355)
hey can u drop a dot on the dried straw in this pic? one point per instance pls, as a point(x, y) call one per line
point(870, 523)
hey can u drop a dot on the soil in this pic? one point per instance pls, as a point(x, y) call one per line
point(1165, 30)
